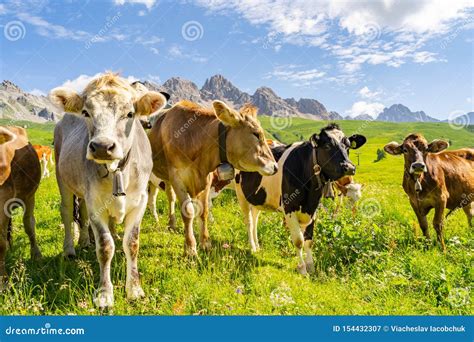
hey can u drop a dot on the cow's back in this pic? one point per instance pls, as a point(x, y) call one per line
point(454, 171)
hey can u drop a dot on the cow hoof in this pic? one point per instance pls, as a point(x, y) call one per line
point(69, 253)
point(36, 254)
point(206, 245)
point(190, 251)
point(135, 292)
point(302, 269)
point(84, 243)
point(104, 299)
point(310, 267)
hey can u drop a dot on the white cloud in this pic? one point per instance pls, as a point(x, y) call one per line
point(367, 32)
point(366, 93)
point(155, 51)
point(149, 40)
point(79, 83)
point(148, 3)
point(47, 29)
point(362, 107)
point(37, 92)
point(176, 51)
point(298, 77)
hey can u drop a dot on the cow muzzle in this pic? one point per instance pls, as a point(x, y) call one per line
point(348, 169)
point(103, 150)
point(269, 169)
point(417, 168)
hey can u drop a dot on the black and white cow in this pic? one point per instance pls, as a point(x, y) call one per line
point(296, 189)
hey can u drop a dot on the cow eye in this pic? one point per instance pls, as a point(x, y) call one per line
point(86, 114)
point(130, 115)
point(404, 149)
point(256, 135)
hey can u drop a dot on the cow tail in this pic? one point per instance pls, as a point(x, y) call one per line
point(9, 232)
point(76, 213)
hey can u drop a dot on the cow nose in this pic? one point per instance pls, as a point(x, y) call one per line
point(275, 168)
point(348, 169)
point(102, 149)
point(417, 166)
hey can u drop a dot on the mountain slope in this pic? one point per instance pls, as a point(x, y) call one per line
point(19, 105)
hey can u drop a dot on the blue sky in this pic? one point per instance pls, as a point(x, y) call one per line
point(354, 57)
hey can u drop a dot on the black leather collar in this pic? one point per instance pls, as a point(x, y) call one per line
point(222, 142)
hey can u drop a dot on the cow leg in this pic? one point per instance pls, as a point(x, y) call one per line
point(105, 248)
point(438, 224)
point(67, 203)
point(131, 243)
point(172, 204)
point(203, 199)
point(422, 220)
point(29, 224)
point(255, 213)
point(248, 217)
point(84, 238)
point(308, 244)
point(45, 170)
point(187, 213)
point(152, 195)
point(293, 224)
point(469, 210)
point(4, 220)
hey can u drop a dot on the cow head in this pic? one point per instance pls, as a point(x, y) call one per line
point(110, 107)
point(415, 148)
point(247, 148)
point(332, 151)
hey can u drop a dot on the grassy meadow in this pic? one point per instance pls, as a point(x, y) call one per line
point(375, 263)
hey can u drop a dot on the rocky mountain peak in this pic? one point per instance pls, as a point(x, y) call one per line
point(10, 86)
point(181, 89)
point(219, 88)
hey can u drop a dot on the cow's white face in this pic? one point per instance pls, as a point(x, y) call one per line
point(110, 108)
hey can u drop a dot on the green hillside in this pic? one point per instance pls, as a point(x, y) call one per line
point(372, 263)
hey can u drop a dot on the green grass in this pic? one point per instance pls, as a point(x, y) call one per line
point(374, 263)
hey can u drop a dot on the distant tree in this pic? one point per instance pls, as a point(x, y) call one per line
point(380, 155)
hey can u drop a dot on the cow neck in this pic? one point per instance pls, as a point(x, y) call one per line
point(316, 167)
point(222, 140)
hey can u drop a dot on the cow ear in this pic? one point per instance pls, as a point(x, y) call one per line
point(393, 148)
point(149, 103)
point(227, 115)
point(6, 135)
point(166, 95)
point(357, 141)
point(67, 99)
point(437, 146)
point(314, 140)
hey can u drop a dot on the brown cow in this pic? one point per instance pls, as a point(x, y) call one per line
point(188, 144)
point(436, 179)
point(20, 174)
point(45, 156)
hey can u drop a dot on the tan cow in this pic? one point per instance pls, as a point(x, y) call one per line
point(45, 156)
point(187, 144)
point(103, 157)
point(434, 178)
point(20, 174)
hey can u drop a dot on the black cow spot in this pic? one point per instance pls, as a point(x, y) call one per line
point(250, 182)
